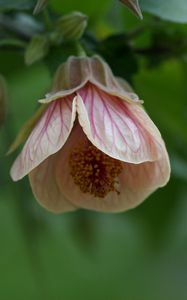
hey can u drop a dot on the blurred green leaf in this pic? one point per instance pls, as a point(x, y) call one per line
point(16, 5)
point(163, 90)
point(58, 55)
point(118, 53)
point(172, 10)
point(165, 43)
point(11, 42)
point(3, 99)
point(37, 49)
point(94, 9)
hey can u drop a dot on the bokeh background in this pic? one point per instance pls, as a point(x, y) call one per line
point(136, 255)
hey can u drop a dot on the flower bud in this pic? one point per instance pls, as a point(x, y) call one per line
point(134, 6)
point(40, 5)
point(72, 26)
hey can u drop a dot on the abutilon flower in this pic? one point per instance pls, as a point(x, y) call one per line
point(92, 146)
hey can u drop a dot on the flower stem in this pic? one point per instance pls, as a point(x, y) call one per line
point(80, 50)
point(47, 20)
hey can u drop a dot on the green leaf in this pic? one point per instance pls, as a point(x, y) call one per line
point(94, 9)
point(58, 55)
point(11, 42)
point(172, 10)
point(16, 5)
point(116, 51)
point(37, 49)
point(3, 98)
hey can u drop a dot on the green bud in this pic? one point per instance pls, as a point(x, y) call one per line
point(40, 5)
point(37, 49)
point(3, 98)
point(134, 6)
point(72, 26)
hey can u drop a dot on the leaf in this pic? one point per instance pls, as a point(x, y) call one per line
point(116, 51)
point(58, 55)
point(133, 5)
point(16, 5)
point(96, 9)
point(3, 97)
point(172, 10)
point(11, 42)
point(37, 49)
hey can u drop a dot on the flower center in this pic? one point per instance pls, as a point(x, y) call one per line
point(93, 171)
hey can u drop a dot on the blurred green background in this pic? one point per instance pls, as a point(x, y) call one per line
point(137, 255)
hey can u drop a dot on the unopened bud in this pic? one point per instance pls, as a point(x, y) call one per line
point(37, 49)
point(72, 26)
point(134, 6)
point(40, 5)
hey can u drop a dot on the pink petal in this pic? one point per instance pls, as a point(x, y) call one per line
point(136, 182)
point(48, 136)
point(45, 186)
point(120, 129)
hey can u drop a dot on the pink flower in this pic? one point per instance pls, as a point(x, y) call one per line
point(93, 146)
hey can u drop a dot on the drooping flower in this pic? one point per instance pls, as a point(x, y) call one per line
point(92, 146)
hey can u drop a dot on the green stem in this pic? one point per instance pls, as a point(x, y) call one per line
point(80, 50)
point(47, 20)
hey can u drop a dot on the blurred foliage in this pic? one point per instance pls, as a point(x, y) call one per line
point(172, 10)
point(6, 5)
point(138, 255)
point(3, 100)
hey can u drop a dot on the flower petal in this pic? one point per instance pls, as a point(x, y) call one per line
point(102, 76)
point(136, 182)
point(47, 137)
point(121, 130)
point(45, 186)
point(77, 71)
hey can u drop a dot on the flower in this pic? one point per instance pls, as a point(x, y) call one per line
point(93, 146)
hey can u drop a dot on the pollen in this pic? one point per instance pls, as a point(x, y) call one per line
point(93, 171)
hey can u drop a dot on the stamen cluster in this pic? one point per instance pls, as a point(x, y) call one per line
point(93, 171)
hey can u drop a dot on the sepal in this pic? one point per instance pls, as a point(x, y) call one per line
point(27, 129)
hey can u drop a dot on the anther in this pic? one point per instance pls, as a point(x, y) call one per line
point(93, 171)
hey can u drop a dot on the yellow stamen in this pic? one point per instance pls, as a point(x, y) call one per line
point(93, 171)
